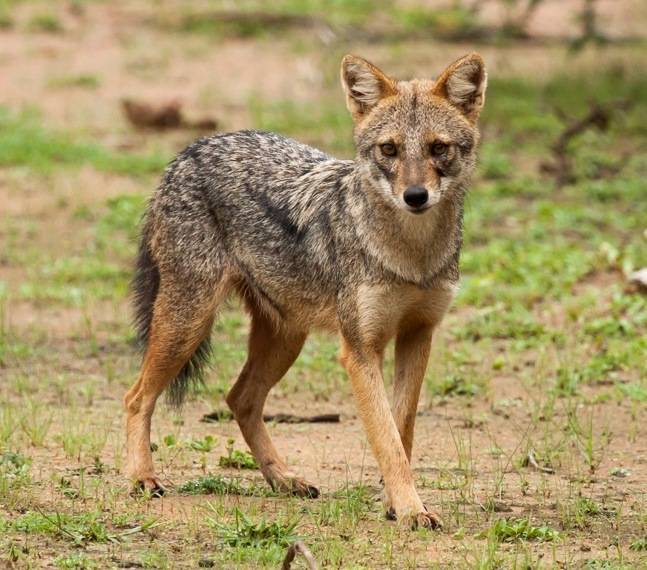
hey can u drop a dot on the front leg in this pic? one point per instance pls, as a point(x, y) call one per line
point(412, 347)
point(363, 364)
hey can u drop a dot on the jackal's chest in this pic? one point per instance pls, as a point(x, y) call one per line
point(384, 309)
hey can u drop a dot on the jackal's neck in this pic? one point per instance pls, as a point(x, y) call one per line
point(415, 247)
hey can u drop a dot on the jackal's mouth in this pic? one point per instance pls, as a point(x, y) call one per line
point(419, 210)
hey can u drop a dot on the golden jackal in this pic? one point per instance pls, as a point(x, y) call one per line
point(367, 247)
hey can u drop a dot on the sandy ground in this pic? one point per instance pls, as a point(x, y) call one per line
point(106, 40)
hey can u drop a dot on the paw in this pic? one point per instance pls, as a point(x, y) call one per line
point(295, 486)
point(298, 487)
point(421, 519)
point(151, 485)
point(426, 519)
point(283, 481)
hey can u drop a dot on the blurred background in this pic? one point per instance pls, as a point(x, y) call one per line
point(96, 97)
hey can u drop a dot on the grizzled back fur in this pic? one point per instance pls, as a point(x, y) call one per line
point(297, 233)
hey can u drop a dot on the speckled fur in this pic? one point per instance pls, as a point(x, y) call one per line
point(311, 241)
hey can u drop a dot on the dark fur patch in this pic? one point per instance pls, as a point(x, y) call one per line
point(193, 151)
point(278, 214)
point(192, 375)
point(144, 287)
point(252, 291)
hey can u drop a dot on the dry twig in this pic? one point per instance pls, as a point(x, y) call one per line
point(532, 462)
point(299, 548)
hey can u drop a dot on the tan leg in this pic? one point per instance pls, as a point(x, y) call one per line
point(412, 347)
point(180, 322)
point(363, 364)
point(271, 353)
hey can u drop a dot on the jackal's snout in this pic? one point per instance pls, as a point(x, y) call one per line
point(416, 197)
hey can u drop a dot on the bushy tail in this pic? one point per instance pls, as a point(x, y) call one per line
point(145, 287)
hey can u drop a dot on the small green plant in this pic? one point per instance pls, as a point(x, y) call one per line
point(45, 22)
point(505, 530)
point(347, 507)
point(578, 513)
point(245, 533)
point(639, 545)
point(567, 382)
point(237, 459)
point(14, 472)
point(590, 447)
point(170, 440)
point(67, 489)
point(75, 561)
point(205, 445)
point(212, 485)
point(35, 423)
point(455, 384)
point(8, 423)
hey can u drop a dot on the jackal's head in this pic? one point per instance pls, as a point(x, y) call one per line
point(416, 140)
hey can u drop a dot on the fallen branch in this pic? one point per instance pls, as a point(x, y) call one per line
point(599, 117)
point(225, 415)
point(292, 419)
point(299, 548)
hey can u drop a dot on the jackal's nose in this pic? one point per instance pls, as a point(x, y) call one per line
point(416, 196)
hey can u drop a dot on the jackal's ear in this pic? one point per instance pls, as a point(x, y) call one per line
point(463, 84)
point(364, 84)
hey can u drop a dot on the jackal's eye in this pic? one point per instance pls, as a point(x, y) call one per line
point(389, 149)
point(438, 149)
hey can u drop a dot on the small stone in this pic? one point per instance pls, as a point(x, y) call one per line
point(638, 279)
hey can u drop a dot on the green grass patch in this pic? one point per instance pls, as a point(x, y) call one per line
point(508, 530)
point(74, 280)
point(211, 485)
point(83, 80)
point(246, 533)
point(45, 22)
point(237, 459)
point(513, 323)
point(75, 561)
point(639, 545)
point(25, 142)
point(79, 529)
point(327, 125)
point(220, 485)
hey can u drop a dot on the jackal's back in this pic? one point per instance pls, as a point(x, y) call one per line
point(262, 207)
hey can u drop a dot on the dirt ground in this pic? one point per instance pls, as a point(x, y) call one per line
point(66, 351)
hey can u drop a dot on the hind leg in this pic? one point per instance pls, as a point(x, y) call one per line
point(271, 353)
point(182, 319)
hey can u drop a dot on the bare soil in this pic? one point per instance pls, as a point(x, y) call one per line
point(467, 445)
